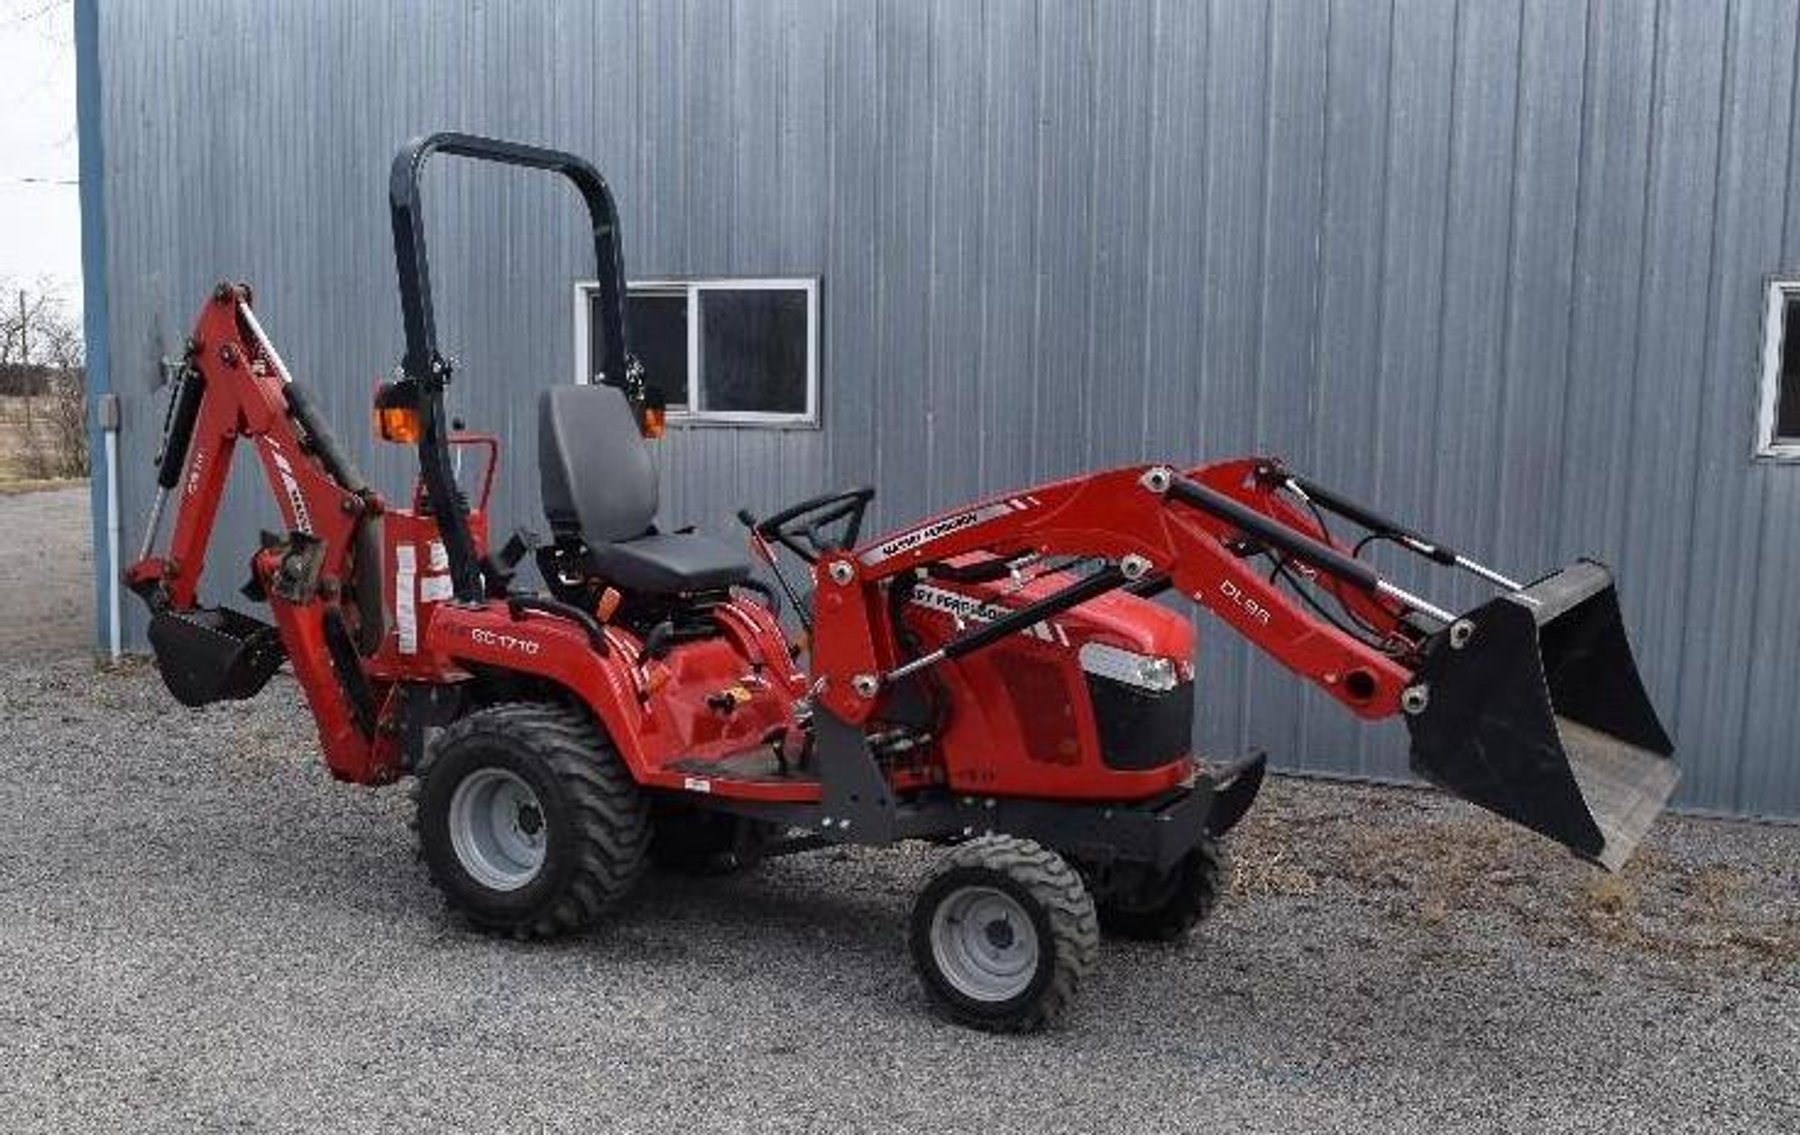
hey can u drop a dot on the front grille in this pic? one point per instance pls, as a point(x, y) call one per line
point(1040, 694)
point(1141, 728)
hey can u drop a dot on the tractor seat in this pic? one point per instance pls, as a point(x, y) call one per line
point(599, 487)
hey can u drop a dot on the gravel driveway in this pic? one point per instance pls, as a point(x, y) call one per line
point(46, 574)
point(200, 931)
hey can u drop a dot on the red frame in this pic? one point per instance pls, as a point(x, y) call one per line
point(245, 398)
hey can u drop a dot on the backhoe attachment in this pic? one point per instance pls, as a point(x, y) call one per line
point(209, 654)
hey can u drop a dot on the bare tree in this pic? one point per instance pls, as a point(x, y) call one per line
point(60, 344)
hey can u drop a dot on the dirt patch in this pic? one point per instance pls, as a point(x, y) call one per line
point(46, 574)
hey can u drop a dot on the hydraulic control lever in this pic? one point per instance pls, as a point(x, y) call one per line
point(767, 554)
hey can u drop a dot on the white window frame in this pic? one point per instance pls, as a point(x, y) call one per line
point(1768, 446)
point(693, 286)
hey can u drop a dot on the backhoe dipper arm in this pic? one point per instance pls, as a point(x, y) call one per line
point(235, 387)
point(1211, 531)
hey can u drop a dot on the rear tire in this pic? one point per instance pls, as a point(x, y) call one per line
point(1167, 907)
point(528, 821)
point(1003, 935)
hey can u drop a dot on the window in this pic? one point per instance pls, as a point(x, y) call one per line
point(1778, 414)
point(720, 351)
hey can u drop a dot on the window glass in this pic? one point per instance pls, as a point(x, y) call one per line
point(656, 324)
point(731, 351)
point(753, 351)
point(1787, 396)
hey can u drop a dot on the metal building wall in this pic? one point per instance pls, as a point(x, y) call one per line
point(1495, 265)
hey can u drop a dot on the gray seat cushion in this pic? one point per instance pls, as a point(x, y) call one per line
point(668, 564)
point(599, 486)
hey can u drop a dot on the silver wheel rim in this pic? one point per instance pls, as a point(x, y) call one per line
point(984, 943)
point(497, 829)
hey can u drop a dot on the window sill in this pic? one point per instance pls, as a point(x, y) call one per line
point(740, 422)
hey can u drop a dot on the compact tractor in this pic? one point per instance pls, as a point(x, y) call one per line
point(999, 680)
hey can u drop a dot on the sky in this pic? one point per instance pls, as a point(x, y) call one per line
point(40, 214)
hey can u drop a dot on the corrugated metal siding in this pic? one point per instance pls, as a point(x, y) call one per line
point(1494, 265)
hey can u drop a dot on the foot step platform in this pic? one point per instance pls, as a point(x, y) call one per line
point(753, 766)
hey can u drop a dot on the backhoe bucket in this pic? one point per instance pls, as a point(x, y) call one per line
point(1535, 711)
point(211, 654)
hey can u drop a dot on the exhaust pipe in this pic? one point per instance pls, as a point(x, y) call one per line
point(1532, 707)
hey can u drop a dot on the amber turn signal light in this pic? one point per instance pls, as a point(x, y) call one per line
point(399, 423)
point(397, 412)
point(652, 422)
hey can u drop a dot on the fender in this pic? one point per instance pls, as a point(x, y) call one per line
point(648, 714)
point(558, 652)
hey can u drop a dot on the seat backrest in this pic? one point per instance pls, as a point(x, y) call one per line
point(594, 469)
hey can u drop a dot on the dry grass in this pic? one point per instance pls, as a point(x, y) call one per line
point(16, 456)
point(1261, 871)
point(1435, 863)
point(12, 439)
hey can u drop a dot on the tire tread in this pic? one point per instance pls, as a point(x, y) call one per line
point(1074, 927)
point(611, 816)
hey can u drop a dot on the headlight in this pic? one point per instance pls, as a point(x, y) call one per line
point(1144, 671)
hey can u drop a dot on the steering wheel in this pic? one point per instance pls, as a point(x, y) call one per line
point(798, 527)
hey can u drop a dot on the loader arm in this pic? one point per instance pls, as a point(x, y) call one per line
point(1212, 533)
point(321, 579)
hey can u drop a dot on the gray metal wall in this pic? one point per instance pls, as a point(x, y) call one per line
point(1493, 265)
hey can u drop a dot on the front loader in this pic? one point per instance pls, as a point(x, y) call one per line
point(1000, 680)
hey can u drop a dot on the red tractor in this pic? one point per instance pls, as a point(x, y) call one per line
point(997, 679)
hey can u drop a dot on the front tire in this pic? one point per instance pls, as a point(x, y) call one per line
point(1003, 935)
point(528, 821)
point(1166, 907)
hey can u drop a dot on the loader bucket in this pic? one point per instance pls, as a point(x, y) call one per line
point(1535, 711)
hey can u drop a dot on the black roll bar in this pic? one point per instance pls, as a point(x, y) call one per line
point(427, 367)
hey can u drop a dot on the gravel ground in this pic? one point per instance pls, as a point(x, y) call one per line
point(200, 931)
